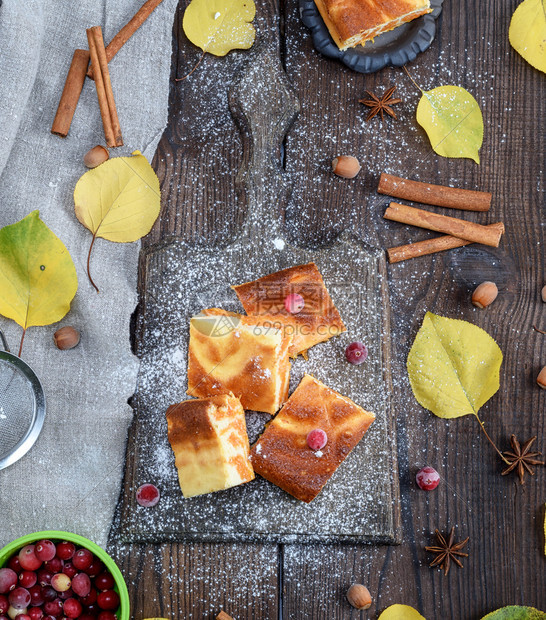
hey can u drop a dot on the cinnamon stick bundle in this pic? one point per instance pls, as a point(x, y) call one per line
point(469, 231)
point(105, 94)
point(71, 93)
point(431, 246)
point(121, 38)
point(439, 195)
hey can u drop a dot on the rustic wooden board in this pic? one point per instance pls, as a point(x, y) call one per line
point(502, 519)
point(360, 501)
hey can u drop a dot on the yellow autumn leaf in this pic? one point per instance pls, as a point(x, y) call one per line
point(453, 121)
point(37, 276)
point(219, 26)
point(400, 612)
point(527, 32)
point(453, 366)
point(119, 200)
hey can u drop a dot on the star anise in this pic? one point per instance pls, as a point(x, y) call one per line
point(521, 458)
point(447, 551)
point(380, 105)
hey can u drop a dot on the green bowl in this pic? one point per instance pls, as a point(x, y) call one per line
point(123, 611)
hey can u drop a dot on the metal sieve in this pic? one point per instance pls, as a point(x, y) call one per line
point(22, 406)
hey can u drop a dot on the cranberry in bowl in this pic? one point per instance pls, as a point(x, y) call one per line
point(67, 571)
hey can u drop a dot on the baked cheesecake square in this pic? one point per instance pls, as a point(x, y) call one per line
point(210, 444)
point(282, 456)
point(236, 353)
point(353, 22)
point(319, 319)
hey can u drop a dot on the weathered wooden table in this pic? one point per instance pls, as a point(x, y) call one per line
point(201, 163)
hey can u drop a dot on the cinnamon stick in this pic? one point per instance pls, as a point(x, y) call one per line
point(121, 38)
point(71, 93)
point(429, 194)
point(441, 223)
point(430, 246)
point(105, 94)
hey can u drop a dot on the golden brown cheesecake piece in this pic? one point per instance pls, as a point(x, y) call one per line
point(210, 444)
point(235, 353)
point(281, 454)
point(319, 319)
point(353, 22)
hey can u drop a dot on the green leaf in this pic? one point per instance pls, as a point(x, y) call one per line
point(527, 32)
point(219, 26)
point(453, 366)
point(515, 612)
point(400, 612)
point(37, 276)
point(453, 121)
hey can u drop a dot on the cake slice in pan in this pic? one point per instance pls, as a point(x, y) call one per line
point(353, 22)
point(235, 353)
point(319, 319)
point(281, 454)
point(210, 444)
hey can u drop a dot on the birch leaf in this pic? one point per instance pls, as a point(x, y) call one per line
point(453, 121)
point(400, 612)
point(37, 276)
point(527, 32)
point(119, 200)
point(219, 26)
point(515, 612)
point(453, 366)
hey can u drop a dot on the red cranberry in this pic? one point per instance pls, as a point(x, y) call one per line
point(14, 564)
point(69, 569)
point(294, 303)
point(66, 594)
point(427, 478)
point(147, 495)
point(95, 568)
point(109, 600)
point(49, 617)
point(36, 596)
point(28, 558)
point(104, 581)
point(4, 604)
point(54, 608)
point(22, 617)
point(20, 598)
point(94, 610)
point(86, 616)
point(27, 578)
point(356, 353)
point(8, 580)
point(49, 593)
point(90, 599)
point(61, 582)
point(107, 615)
point(2, 617)
point(35, 613)
point(83, 558)
point(72, 608)
point(44, 577)
point(81, 584)
point(45, 550)
point(317, 439)
point(55, 565)
point(65, 550)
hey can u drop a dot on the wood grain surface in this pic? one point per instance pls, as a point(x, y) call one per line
point(197, 163)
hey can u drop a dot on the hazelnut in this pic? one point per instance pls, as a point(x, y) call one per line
point(485, 294)
point(541, 379)
point(359, 596)
point(96, 156)
point(543, 293)
point(346, 166)
point(66, 338)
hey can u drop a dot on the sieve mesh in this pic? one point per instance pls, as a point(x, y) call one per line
point(17, 407)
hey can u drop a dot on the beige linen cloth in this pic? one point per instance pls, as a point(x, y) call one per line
point(70, 480)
